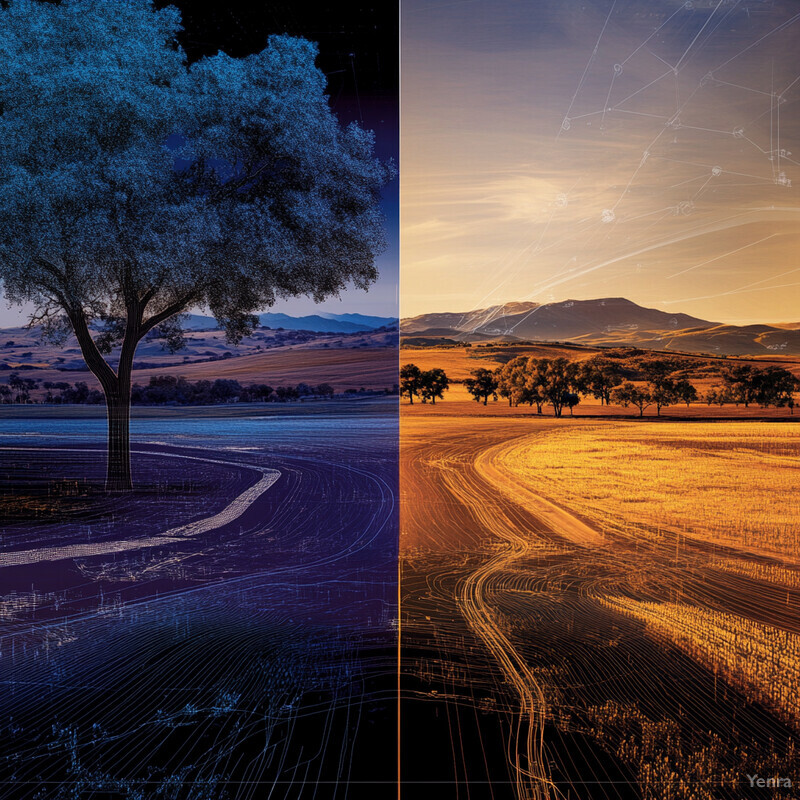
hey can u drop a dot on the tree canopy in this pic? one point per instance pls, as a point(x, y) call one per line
point(135, 185)
point(482, 385)
point(128, 175)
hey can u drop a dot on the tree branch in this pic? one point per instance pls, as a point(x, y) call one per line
point(147, 297)
point(169, 311)
point(94, 360)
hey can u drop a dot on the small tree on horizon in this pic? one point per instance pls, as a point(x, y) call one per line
point(559, 379)
point(598, 377)
point(482, 385)
point(662, 387)
point(685, 391)
point(535, 385)
point(433, 383)
point(135, 186)
point(410, 381)
point(740, 383)
point(629, 394)
point(570, 400)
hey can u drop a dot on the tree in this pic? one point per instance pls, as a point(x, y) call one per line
point(558, 379)
point(570, 400)
point(663, 393)
point(740, 383)
point(410, 381)
point(773, 386)
point(629, 394)
point(685, 391)
point(511, 380)
point(21, 387)
point(663, 390)
point(134, 186)
point(598, 377)
point(723, 396)
point(482, 385)
point(535, 383)
point(506, 381)
point(433, 383)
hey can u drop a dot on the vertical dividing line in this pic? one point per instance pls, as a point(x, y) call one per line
point(399, 651)
point(399, 430)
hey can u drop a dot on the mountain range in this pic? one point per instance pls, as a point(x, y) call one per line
point(610, 321)
point(318, 323)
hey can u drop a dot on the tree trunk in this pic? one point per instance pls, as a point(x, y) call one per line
point(117, 386)
point(118, 411)
point(118, 469)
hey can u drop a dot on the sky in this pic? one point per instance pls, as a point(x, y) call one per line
point(571, 149)
point(358, 46)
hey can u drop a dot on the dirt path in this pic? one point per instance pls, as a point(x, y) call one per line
point(229, 514)
point(561, 521)
point(470, 479)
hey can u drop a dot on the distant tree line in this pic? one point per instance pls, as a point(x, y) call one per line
point(168, 390)
point(745, 384)
point(641, 382)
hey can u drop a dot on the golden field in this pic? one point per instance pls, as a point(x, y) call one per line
point(760, 659)
point(736, 484)
point(630, 583)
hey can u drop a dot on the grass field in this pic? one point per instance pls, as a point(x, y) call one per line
point(736, 484)
point(621, 594)
point(761, 659)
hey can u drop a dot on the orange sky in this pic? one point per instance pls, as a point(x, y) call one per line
point(564, 149)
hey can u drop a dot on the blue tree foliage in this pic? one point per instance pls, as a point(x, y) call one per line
point(134, 185)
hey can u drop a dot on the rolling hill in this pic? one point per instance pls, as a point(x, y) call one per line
point(345, 360)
